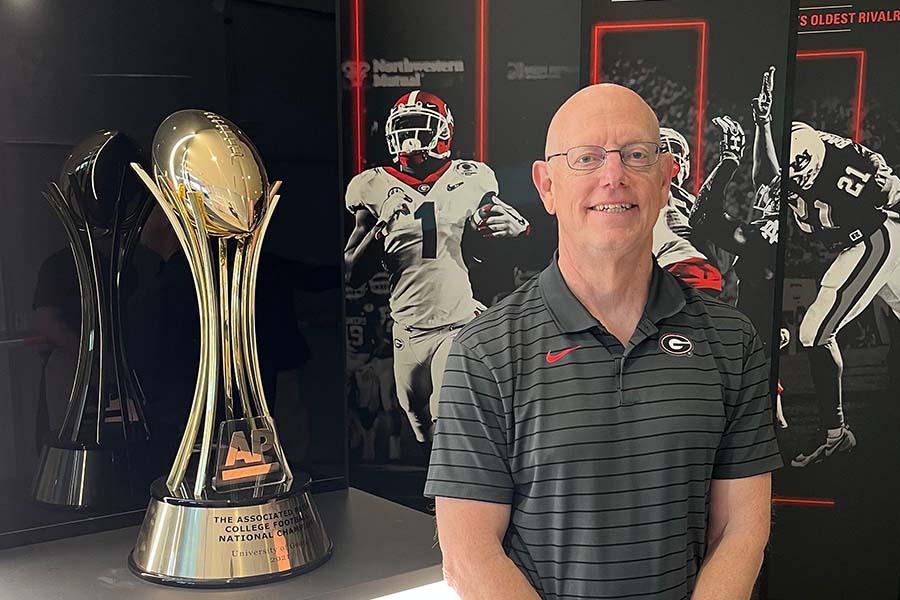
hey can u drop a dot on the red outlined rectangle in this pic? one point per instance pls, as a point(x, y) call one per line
point(481, 92)
point(481, 7)
point(358, 138)
point(860, 56)
point(701, 28)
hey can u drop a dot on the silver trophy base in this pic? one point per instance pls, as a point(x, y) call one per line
point(77, 477)
point(222, 543)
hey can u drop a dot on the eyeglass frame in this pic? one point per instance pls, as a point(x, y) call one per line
point(660, 150)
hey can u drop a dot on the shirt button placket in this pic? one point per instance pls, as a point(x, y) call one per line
point(620, 379)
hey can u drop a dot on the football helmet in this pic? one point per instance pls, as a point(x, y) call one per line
point(419, 122)
point(807, 154)
point(675, 144)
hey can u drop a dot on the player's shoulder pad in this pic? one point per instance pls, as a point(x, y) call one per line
point(473, 169)
point(835, 140)
point(360, 188)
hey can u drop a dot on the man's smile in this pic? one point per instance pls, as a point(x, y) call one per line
point(614, 208)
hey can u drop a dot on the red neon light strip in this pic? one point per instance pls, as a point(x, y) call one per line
point(783, 500)
point(482, 92)
point(860, 56)
point(700, 90)
point(357, 56)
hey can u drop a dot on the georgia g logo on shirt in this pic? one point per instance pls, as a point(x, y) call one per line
point(676, 345)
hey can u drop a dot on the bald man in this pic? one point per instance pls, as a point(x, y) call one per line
point(605, 431)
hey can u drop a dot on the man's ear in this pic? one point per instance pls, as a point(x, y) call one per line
point(540, 175)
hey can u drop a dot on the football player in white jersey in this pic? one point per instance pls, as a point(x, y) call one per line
point(846, 195)
point(672, 244)
point(420, 207)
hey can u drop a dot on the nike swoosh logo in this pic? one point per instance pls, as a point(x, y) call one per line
point(453, 186)
point(552, 358)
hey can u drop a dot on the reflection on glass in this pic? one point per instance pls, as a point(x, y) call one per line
point(102, 208)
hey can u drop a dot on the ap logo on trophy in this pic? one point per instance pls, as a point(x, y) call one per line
point(246, 455)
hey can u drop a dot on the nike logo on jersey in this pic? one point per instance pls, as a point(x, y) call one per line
point(552, 358)
point(453, 186)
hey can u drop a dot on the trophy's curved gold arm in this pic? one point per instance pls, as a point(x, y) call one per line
point(248, 316)
point(225, 325)
point(237, 330)
point(182, 457)
point(211, 362)
point(251, 354)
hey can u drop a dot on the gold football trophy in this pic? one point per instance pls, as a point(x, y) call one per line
point(229, 512)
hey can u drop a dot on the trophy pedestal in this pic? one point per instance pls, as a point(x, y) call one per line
point(229, 542)
point(77, 476)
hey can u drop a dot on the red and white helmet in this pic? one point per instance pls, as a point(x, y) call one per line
point(419, 122)
point(675, 144)
point(807, 154)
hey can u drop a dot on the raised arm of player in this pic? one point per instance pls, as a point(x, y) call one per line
point(765, 159)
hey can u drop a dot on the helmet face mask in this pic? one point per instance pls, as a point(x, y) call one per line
point(807, 155)
point(419, 126)
point(766, 204)
point(675, 144)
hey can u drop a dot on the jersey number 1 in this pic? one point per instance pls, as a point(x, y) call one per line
point(429, 229)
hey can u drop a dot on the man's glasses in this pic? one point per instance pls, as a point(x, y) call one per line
point(588, 158)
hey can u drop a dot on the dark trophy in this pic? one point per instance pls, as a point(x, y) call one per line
point(102, 205)
point(230, 511)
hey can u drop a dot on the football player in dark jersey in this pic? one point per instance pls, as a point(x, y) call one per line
point(846, 195)
point(753, 243)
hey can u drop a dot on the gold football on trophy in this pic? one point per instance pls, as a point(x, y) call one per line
point(201, 153)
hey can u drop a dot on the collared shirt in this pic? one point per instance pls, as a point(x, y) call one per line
point(605, 452)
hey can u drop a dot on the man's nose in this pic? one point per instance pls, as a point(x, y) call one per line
point(613, 173)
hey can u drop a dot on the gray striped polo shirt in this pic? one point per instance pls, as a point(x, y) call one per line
point(605, 453)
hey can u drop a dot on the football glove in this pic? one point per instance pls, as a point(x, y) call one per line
point(500, 220)
point(733, 140)
point(762, 104)
point(398, 203)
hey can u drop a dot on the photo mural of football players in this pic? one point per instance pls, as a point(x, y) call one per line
point(842, 193)
point(840, 540)
point(420, 207)
point(687, 59)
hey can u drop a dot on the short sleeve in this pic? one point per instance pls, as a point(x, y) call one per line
point(748, 446)
point(469, 458)
point(490, 180)
point(355, 198)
